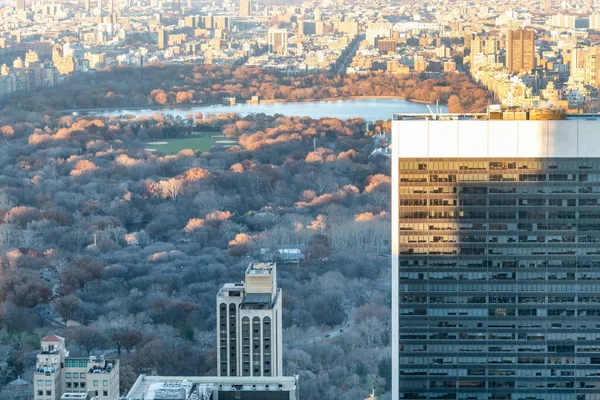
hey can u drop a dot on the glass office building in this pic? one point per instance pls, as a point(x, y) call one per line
point(496, 261)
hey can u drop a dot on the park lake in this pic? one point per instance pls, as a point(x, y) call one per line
point(370, 109)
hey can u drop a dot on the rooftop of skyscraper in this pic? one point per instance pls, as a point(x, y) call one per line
point(496, 112)
point(260, 268)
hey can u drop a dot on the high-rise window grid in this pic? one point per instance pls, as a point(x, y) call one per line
point(498, 262)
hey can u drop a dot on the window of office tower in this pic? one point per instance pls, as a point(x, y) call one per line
point(496, 267)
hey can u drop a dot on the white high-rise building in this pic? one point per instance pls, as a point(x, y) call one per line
point(249, 324)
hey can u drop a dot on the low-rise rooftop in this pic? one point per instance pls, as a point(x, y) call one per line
point(196, 387)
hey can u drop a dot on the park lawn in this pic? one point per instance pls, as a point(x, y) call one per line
point(173, 146)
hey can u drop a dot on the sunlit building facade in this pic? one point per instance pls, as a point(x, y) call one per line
point(496, 260)
point(249, 325)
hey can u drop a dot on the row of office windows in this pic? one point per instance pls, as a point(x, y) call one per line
point(484, 299)
point(495, 263)
point(444, 349)
point(507, 251)
point(497, 275)
point(503, 201)
point(508, 214)
point(502, 312)
point(499, 287)
point(535, 177)
point(437, 394)
point(506, 228)
point(505, 239)
point(495, 165)
point(497, 190)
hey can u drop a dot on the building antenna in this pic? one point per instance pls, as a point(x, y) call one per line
point(431, 111)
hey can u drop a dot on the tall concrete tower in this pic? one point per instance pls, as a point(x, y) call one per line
point(249, 325)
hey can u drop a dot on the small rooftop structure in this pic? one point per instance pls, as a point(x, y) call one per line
point(261, 278)
point(18, 389)
point(19, 382)
point(260, 268)
point(74, 396)
point(53, 338)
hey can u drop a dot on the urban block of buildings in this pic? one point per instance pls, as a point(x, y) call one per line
point(249, 348)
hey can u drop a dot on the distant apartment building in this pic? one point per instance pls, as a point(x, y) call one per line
point(163, 38)
point(378, 30)
point(385, 45)
point(595, 21)
point(67, 60)
point(8, 82)
point(56, 374)
point(278, 41)
point(569, 21)
point(207, 22)
point(31, 59)
point(592, 67)
point(520, 52)
point(245, 8)
point(249, 325)
point(449, 65)
point(310, 28)
point(394, 67)
point(349, 28)
point(420, 64)
point(96, 61)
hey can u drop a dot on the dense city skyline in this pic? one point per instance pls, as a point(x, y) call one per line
point(171, 225)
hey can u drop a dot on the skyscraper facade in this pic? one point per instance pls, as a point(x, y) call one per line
point(249, 325)
point(245, 8)
point(520, 50)
point(163, 38)
point(496, 260)
point(278, 40)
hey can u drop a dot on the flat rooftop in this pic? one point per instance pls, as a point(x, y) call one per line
point(423, 136)
point(260, 268)
point(486, 117)
point(149, 387)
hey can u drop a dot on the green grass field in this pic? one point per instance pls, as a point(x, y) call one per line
point(173, 146)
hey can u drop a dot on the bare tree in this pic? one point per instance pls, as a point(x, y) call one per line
point(371, 330)
point(60, 264)
point(171, 188)
point(7, 236)
point(67, 307)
